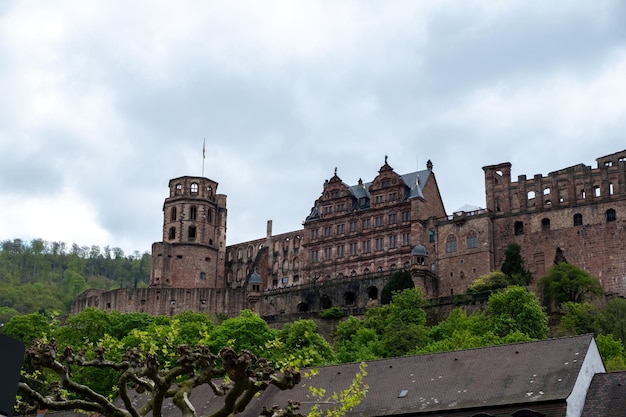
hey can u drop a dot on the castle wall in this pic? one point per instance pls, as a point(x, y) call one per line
point(356, 237)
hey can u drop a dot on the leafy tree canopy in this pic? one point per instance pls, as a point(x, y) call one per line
point(513, 265)
point(517, 309)
point(490, 282)
point(565, 282)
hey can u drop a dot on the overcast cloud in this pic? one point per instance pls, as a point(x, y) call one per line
point(103, 102)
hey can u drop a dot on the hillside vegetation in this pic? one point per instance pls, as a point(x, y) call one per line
point(40, 276)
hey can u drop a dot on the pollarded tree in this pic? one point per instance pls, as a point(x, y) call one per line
point(245, 376)
point(566, 282)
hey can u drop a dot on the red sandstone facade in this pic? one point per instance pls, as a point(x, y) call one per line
point(356, 236)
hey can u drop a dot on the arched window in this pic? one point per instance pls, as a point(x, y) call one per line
point(173, 214)
point(303, 307)
point(372, 293)
point(611, 216)
point(545, 224)
point(518, 228)
point(578, 219)
point(471, 240)
point(194, 188)
point(451, 244)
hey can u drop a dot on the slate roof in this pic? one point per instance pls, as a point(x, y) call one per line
point(362, 189)
point(522, 373)
point(606, 396)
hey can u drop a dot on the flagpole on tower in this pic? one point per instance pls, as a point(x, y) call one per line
point(203, 155)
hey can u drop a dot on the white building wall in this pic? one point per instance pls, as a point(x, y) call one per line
point(592, 364)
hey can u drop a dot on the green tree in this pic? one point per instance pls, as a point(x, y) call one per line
point(513, 265)
point(614, 319)
point(490, 282)
point(28, 327)
point(301, 341)
point(248, 331)
point(517, 309)
point(580, 318)
point(566, 282)
point(612, 352)
point(401, 280)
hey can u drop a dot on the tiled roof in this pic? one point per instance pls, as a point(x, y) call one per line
point(606, 396)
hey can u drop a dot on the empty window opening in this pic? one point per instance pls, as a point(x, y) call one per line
point(578, 219)
point(518, 228)
point(531, 195)
point(611, 190)
point(173, 214)
point(349, 298)
point(545, 224)
point(191, 233)
point(596, 191)
point(582, 194)
point(172, 233)
point(325, 303)
point(193, 212)
point(611, 216)
point(303, 307)
point(372, 293)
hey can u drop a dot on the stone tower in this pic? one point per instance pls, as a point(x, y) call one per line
point(193, 249)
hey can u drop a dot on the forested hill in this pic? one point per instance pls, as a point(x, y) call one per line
point(40, 276)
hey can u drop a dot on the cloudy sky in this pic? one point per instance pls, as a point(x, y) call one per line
point(102, 102)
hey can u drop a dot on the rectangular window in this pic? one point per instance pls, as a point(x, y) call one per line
point(341, 207)
point(406, 216)
point(352, 226)
point(431, 236)
point(406, 239)
point(378, 221)
point(353, 248)
point(340, 229)
point(366, 246)
point(392, 196)
point(315, 233)
point(334, 194)
point(393, 241)
point(379, 243)
point(285, 280)
point(378, 199)
point(340, 251)
point(366, 224)
point(315, 255)
point(328, 230)
point(393, 218)
point(327, 253)
point(328, 209)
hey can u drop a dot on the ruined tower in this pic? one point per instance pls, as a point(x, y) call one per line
point(191, 254)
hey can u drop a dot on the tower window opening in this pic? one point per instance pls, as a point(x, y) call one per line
point(518, 228)
point(191, 233)
point(193, 212)
point(578, 219)
point(172, 233)
point(611, 215)
point(173, 214)
point(194, 188)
